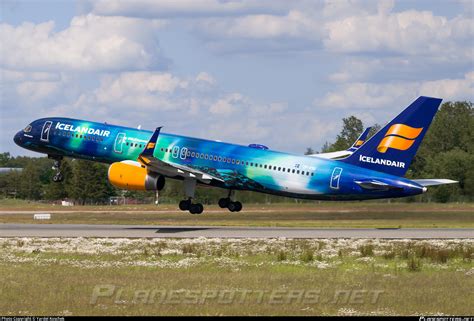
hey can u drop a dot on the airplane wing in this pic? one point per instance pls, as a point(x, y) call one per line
point(344, 153)
point(169, 169)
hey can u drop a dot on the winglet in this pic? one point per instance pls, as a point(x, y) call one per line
point(361, 140)
point(150, 146)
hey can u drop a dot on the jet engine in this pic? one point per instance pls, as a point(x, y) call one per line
point(131, 175)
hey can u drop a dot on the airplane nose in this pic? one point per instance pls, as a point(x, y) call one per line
point(18, 138)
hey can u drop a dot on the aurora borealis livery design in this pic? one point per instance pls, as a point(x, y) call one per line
point(370, 172)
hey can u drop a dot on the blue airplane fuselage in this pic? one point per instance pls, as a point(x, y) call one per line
point(238, 167)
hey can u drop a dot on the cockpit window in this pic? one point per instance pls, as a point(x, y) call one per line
point(27, 129)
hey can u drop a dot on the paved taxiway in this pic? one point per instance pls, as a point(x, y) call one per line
point(134, 231)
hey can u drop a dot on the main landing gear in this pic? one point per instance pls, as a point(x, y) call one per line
point(197, 208)
point(233, 206)
point(58, 177)
point(187, 204)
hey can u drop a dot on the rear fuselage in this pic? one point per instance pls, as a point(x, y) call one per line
point(241, 167)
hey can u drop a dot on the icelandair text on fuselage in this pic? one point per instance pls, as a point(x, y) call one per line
point(83, 130)
point(386, 162)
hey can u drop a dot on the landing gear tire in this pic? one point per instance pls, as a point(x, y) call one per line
point(185, 205)
point(58, 177)
point(224, 202)
point(196, 208)
point(235, 206)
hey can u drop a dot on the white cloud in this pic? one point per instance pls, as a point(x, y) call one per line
point(205, 77)
point(409, 32)
point(12, 76)
point(379, 96)
point(295, 24)
point(344, 26)
point(450, 89)
point(338, 9)
point(185, 8)
point(228, 104)
point(90, 43)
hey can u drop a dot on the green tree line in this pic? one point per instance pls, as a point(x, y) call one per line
point(447, 151)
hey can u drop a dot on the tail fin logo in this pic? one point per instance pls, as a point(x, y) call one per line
point(399, 137)
point(359, 143)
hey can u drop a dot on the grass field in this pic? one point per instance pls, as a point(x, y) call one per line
point(233, 277)
point(324, 214)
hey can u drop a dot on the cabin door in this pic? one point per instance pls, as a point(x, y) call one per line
point(45, 131)
point(118, 146)
point(335, 177)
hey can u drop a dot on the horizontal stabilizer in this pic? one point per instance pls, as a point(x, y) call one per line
point(348, 152)
point(332, 155)
point(434, 181)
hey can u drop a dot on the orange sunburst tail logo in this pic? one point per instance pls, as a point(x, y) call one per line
point(400, 137)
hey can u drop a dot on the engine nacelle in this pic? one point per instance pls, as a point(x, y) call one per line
point(132, 176)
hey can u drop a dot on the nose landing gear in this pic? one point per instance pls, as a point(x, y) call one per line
point(58, 177)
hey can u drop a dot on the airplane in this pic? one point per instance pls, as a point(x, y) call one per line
point(144, 160)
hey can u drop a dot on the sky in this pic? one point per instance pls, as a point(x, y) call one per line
point(274, 72)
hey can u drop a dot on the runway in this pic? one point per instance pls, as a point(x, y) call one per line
point(147, 231)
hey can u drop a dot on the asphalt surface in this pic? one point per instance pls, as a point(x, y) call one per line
point(147, 231)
